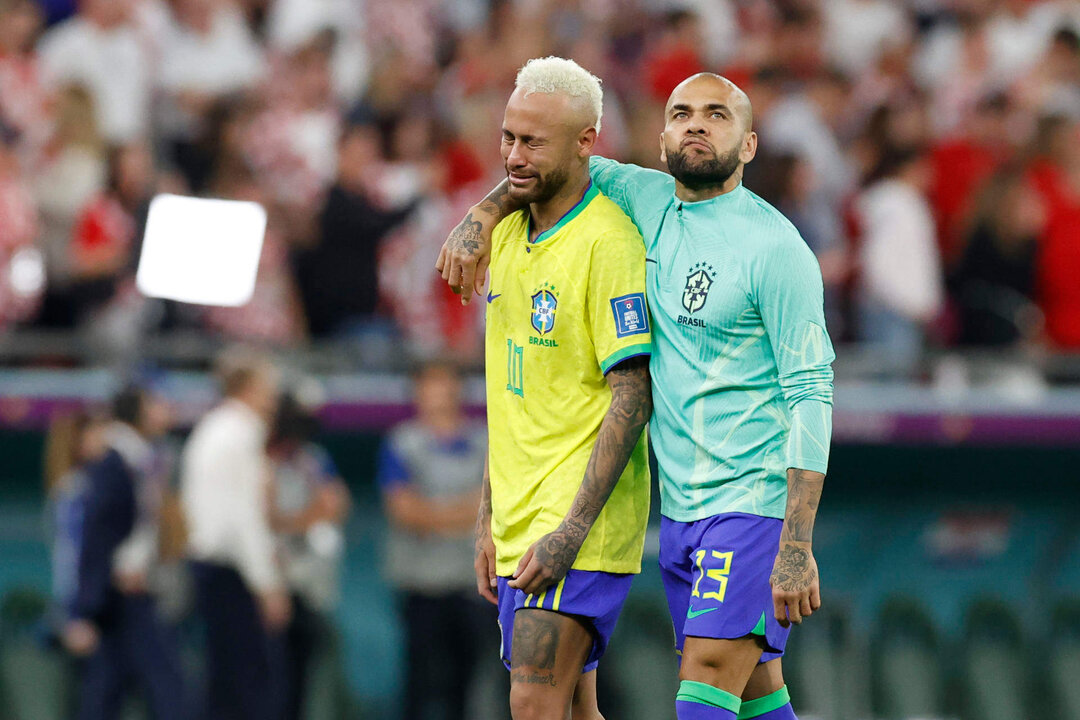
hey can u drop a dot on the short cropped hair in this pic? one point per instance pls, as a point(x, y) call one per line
point(237, 367)
point(556, 75)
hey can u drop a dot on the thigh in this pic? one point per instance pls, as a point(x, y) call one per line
point(548, 653)
point(730, 595)
point(767, 678)
point(585, 705)
point(721, 663)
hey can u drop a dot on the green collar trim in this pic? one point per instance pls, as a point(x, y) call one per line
point(590, 193)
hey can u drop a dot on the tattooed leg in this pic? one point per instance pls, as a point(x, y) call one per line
point(549, 650)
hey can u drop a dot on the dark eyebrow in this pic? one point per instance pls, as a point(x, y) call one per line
point(711, 106)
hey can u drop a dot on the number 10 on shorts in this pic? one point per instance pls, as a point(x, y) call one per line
point(717, 574)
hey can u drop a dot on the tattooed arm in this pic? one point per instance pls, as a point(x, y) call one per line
point(796, 591)
point(550, 557)
point(465, 255)
point(484, 563)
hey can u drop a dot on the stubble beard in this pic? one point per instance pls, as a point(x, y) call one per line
point(547, 187)
point(705, 172)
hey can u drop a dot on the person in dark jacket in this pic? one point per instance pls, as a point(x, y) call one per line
point(114, 624)
point(338, 277)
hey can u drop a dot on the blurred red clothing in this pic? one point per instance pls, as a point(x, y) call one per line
point(960, 167)
point(665, 70)
point(463, 167)
point(1059, 256)
point(102, 239)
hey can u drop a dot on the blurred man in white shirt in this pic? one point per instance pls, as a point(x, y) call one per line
point(241, 593)
point(900, 288)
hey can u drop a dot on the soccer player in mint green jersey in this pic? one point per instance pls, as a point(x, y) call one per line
point(742, 396)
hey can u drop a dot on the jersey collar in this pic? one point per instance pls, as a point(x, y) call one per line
point(718, 201)
point(590, 192)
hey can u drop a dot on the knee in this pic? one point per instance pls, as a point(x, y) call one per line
point(528, 703)
point(694, 666)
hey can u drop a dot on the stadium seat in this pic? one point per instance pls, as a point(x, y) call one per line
point(1064, 659)
point(993, 663)
point(907, 677)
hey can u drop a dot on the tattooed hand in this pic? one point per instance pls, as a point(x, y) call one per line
point(795, 589)
point(549, 559)
point(464, 257)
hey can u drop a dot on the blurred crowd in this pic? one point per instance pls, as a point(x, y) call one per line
point(928, 151)
point(238, 535)
point(205, 577)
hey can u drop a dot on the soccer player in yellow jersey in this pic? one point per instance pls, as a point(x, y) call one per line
point(566, 497)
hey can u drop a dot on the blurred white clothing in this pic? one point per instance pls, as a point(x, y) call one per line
point(223, 486)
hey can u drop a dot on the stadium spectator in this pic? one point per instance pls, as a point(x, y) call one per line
point(430, 471)
point(73, 171)
point(858, 32)
point(1057, 175)
point(103, 301)
point(963, 162)
point(293, 139)
point(310, 504)
point(207, 52)
point(74, 442)
point(676, 55)
point(271, 84)
point(994, 281)
point(338, 276)
point(104, 243)
point(241, 595)
point(293, 23)
point(900, 288)
point(274, 314)
point(24, 102)
point(1054, 86)
point(102, 48)
point(22, 265)
point(114, 620)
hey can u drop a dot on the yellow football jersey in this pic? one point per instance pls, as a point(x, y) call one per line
point(561, 311)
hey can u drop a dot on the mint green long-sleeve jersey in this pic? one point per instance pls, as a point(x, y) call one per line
point(741, 363)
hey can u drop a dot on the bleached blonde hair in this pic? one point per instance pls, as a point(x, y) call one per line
point(556, 75)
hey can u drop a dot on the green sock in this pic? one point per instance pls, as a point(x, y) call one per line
point(764, 705)
point(698, 701)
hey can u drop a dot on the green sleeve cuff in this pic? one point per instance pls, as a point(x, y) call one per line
point(624, 354)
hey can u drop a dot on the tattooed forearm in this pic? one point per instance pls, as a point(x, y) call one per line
point(620, 431)
point(498, 202)
point(804, 493)
point(483, 515)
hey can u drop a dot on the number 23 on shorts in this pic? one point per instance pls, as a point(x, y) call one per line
point(719, 575)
